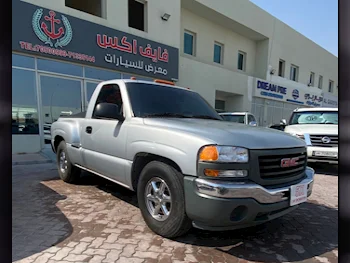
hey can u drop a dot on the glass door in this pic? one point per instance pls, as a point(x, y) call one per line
point(60, 96)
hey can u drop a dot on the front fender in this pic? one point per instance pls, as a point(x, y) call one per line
point(185, 160)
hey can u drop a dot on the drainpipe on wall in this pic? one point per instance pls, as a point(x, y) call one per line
point(269, 68)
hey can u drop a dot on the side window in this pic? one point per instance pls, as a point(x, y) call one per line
point(110, 94)
point(251, 118)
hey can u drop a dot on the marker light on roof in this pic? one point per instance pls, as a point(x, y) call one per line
point(164, 82)
point(133, 78)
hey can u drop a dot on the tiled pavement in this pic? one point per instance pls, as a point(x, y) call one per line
point(98, 221)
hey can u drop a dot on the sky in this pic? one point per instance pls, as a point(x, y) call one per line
point(315, 19)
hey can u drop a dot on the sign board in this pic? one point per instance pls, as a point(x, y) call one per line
point(269, 90)
point(44, 32)
point(329, 100)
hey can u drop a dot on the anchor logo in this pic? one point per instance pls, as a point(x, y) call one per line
point(53, 21)
point(64, 34)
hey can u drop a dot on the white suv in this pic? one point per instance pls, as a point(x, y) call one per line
point(319, 128)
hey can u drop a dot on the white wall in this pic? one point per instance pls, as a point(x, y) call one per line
point(207, 33)
point(296, 49)
point(117, 17)
point(206, 79)
point(284, 42)
point(244, 12)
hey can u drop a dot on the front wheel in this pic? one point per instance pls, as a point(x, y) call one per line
point(67, 171)
point(161, 199)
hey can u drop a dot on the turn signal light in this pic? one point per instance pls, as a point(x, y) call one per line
point(209, 153)
point(211, 172)
point(226, 174)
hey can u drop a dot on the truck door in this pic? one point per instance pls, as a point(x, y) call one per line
point(103, 140)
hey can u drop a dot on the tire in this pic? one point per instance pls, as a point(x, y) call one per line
point(71, 173)
point(176, 223)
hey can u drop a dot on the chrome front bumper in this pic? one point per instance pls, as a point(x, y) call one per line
point(263, 195)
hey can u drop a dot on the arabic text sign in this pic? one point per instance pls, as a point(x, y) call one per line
point(313, 100)
point(51, 34)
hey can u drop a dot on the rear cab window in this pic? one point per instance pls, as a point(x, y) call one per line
point(234, 118)
point(110, 93)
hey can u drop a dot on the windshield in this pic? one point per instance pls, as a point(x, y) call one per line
point(149, 100)
point(314, 117)
point(233, 118)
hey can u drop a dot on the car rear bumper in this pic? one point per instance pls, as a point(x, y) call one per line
point(222, 205)
point(313, 158)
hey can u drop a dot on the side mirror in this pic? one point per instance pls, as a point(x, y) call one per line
point(253, 123)
point(277, 127)
point(284, 122)
point(108, 111)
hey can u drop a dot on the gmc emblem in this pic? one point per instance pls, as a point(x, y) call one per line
point(289, 162)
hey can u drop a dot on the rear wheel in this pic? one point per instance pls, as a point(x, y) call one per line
point(161, 199)
point(67, 171)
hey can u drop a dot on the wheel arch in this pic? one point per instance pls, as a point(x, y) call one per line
point(57, 140)
point(142, 159)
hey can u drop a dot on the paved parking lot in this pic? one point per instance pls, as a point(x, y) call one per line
point(98, 221)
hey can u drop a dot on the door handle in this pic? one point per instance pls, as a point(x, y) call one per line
point(88, 129)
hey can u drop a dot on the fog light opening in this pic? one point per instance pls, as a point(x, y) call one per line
point(239, 213)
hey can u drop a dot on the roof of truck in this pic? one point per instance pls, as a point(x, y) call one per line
point(154, 83)
point(315, 109)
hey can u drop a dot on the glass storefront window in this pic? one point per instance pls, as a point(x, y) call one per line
point(60, 67)
point(23, 61)
point(90, 88)
point(24, 102)
point(59, 97)
point(93, 73)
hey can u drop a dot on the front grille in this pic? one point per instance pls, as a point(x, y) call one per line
point(321, 140)
point(270, 166)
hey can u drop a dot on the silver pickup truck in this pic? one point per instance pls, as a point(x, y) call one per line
point(188, 166)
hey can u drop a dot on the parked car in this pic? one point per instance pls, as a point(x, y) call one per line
point(187, 165)
point(240, 117)
point(318, 127)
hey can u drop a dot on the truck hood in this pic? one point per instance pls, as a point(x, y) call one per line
point(228, 133)
point(317, 129)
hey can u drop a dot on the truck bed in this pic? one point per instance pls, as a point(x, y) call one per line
point(75, 116)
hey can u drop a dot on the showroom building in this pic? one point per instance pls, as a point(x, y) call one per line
point(63, 48)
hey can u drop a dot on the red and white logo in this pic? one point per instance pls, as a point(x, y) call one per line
point(289, 162)
point(52, 29)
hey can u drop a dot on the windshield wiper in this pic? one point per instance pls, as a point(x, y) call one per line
point(206, 117)
point(167, 114)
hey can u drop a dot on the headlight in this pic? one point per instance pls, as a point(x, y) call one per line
point(224, 154)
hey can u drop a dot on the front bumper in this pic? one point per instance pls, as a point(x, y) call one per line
point(312, 158)
point(223, 205)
